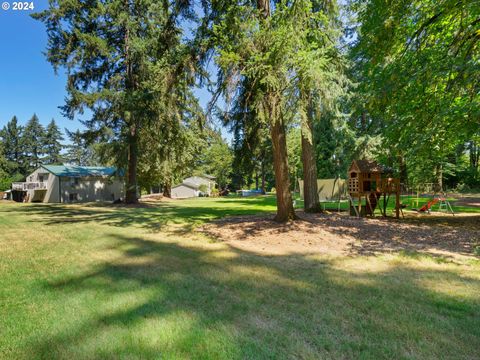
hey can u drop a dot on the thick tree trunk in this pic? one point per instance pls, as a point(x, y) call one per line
point(131, 191)
point(310, 189)
point(285, 211)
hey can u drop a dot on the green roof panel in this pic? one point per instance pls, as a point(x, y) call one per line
point(80, 171)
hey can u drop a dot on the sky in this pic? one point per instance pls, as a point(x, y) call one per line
point(28, 83)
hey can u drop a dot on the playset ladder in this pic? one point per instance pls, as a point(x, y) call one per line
point(445, 205)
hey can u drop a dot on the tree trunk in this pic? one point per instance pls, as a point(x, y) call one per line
point(285, 211)
point(403, 170)
point(474, 157)
point(440, 177)
point(167, 188)
point(131, 192)
point(310, 189)
point(363, 124)
point(264, 190)
point(264, 7)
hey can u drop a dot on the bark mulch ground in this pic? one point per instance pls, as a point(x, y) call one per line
point(339, 234)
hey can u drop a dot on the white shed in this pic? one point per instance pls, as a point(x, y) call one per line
point(185, 190)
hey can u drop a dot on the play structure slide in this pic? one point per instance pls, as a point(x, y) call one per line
point(428, 205)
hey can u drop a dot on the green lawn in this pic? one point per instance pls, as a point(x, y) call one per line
point(93, 282)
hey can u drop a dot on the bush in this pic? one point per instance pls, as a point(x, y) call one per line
point(273, 190)
point(462, 187)
point(476, 250)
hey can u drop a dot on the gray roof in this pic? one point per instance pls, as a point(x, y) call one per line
point(194, 182)
point(188, 184)
point(80, 171)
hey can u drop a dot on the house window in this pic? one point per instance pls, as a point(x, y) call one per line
point(73, 197)
point(43, 177)
point(74, 181)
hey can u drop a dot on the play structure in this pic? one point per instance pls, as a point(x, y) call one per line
point(433, 194)
point(368, 182)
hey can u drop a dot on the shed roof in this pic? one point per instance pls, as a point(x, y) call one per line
point(188, 184)
point(80, 171)
point(210, 177)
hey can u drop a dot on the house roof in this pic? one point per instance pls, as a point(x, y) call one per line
point(210, 177)
point(198, 180)
point(188, 184)
point(80, 171)
point(194, 182)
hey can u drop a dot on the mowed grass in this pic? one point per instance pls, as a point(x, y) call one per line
point(103, 282)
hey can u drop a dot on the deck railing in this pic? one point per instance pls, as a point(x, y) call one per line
point(24, 186)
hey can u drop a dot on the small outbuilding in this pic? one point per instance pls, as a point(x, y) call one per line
point(194, 186)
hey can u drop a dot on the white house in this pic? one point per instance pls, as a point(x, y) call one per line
point(193, 186)
point(69, 183)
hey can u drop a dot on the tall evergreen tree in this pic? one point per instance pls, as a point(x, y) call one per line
point(255, 45)
point(319, 80)
point(52, 145)
point(216, 159)
point(11, 135)
point(78, 152)
point(115, 52)
point(32, 141)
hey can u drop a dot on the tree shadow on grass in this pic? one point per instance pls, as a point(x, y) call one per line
point(153, 217)
point(162, 299)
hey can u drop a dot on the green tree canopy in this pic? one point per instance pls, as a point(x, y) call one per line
point(32, 141)
point(52, 144)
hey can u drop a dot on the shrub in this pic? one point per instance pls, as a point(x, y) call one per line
point(476, 250)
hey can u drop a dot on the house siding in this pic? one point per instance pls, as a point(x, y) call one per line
point(182, 191)
point(90, 189)
point(201, 181)
point(36, 176)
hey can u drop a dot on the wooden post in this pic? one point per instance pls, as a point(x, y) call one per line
point(367, 198)
point(359, 205)
point(397, 198)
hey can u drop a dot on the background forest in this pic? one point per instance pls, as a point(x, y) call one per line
point(396, 81)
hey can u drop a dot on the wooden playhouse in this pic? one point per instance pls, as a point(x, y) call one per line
point(368, 181)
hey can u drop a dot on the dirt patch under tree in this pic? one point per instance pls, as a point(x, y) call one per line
point(338, 234)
